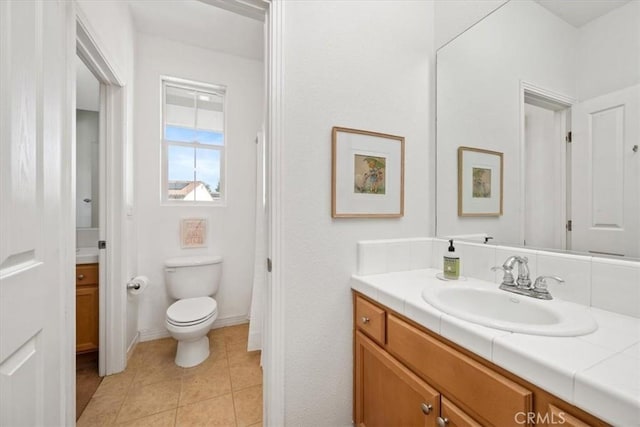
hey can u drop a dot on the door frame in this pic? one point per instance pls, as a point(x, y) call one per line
point(113, 138)
point(274, 327)
point(555, 98)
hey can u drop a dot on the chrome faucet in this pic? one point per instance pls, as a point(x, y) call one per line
point(522, 285)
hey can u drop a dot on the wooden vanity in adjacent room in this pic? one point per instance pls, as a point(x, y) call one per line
point(87, 308)
point(407, 375)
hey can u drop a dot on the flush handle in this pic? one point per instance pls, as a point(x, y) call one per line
point(426, 408)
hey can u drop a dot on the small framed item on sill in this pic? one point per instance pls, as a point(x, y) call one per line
point(367, 179)
point(193, 233)
point(480, 182)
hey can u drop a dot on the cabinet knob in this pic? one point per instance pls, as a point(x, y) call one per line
point(365, 320)
point(80, 276)
point(426, 408)
point(442, 422)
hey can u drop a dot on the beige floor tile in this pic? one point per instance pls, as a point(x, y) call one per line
point(245, 370)
point(212, 412)
point(117, 384)
point(101, 410)
point(248, 405)
point(217, 348)
point(235, 348)
point(212, 364)
point(207, 384)
point(150, 399)
point(256, 425)
point(162, 419)
point(155, 371)
point(238, 333)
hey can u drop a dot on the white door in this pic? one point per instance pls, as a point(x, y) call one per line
point(606, 174)
point(36, 214)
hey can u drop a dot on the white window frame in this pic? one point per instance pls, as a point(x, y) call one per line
point(199, 88)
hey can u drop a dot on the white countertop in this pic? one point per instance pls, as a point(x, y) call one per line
point(598, 372)
point(86, 255)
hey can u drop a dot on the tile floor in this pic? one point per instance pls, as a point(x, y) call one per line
point(225, 390)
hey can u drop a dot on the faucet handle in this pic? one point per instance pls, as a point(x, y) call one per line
point(507, 279)
point(540, 285)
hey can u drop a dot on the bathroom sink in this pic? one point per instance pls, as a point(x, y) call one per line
point(503, 310)
point(86, 255)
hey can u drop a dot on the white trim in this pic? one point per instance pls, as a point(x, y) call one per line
point(133, 345)
point(556, 98)
point(254, 9)
point(68, 219)
point(273, 356)
point(156, 334)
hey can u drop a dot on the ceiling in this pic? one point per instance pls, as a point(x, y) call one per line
point(199, 24)
point(580, 12)
point(87, 88)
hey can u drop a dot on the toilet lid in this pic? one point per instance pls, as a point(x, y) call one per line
point(191, 310)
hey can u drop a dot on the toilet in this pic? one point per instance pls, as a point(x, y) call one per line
point(192, 281)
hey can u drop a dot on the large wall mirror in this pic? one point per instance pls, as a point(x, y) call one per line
point(554, 87)
point(87, 147)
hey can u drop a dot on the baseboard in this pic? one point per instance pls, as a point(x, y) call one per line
point(132, 345)
point(230, 321)
point(156, 334)
point(255, 341)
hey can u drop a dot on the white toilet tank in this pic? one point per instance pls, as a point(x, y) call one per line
point(191, 277)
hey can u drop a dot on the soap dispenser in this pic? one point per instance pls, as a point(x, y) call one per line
point(451, 264)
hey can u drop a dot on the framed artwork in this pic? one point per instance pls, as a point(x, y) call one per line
point(480, 182)
point(367, 179)
point(193, 233)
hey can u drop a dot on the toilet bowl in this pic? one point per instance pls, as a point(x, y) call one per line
point(192, 281)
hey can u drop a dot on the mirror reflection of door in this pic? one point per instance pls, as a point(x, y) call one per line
point(606, 187)
point(87, 147)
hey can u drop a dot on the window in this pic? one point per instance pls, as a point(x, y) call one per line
point(193, 142)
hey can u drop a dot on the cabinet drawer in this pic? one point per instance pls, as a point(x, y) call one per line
point(370, 319)
point(556, 416)
point(489, 397)
point(87, 274)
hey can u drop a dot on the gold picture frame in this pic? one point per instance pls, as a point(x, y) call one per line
point(480, 182)
point(367, 174)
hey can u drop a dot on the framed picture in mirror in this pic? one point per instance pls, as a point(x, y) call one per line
point(480, 182)
point(367, 177)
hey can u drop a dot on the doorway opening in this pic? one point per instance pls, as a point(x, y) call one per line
point(89, 205)
point(546, 170)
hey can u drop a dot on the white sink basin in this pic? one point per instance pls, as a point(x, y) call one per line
point(510, 312)
point(86, 255)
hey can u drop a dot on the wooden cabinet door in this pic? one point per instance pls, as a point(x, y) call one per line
point(453, 416)
point(87, 318)
point(387, 393)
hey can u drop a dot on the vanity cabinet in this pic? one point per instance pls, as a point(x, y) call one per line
point(405, 375)
point(87, 308)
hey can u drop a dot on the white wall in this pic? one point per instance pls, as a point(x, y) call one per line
point(112, 25)
point(360, 64)
point(230, 228)
point(608, 52)
point(87, 183)
point(455, 16)
point(479, 75)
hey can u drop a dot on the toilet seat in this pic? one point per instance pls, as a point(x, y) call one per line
point(191, 311)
